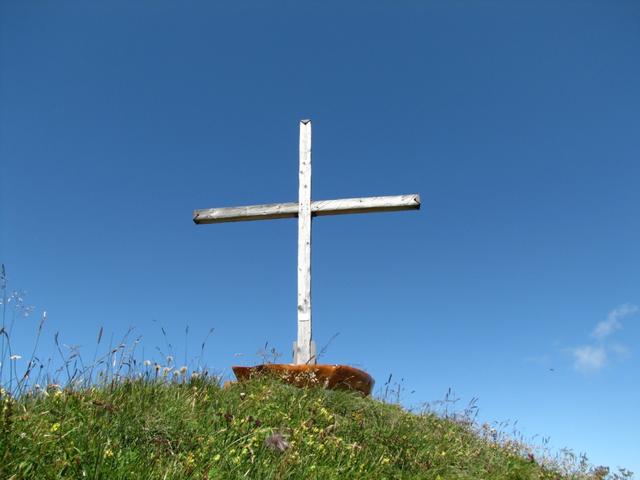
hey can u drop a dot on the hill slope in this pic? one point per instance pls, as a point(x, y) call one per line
point(145, 429)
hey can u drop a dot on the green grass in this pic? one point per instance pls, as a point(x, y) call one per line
point(123, 418)
point(154, 429)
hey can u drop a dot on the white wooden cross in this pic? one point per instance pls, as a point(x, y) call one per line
point(304, 351)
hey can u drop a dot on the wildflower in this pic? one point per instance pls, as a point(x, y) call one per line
point(216, 458)
point(55, 427)
point(183, 370)
point(108, 453)
point(169, 359)
point(146, 363)
point(176, 373)
point(195, 376)
point(166, 370)
point(15, 357)
point(277, 442)
point(385, 460)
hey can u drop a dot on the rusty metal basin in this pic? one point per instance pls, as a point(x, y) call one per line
point(333, 377)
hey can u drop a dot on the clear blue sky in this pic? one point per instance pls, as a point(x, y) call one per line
point(517, 122)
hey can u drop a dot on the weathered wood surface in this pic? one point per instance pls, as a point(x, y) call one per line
point(391, 203)
point(319, 208)
point(303, 350)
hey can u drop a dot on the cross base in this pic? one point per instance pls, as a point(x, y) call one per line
point(333, 377)
point(297, 357)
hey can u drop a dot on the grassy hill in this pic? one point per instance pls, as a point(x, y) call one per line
point(193, 429)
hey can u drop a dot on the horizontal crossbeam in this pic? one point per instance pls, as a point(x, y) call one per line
point(318, 208)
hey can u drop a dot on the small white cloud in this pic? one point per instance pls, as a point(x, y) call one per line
point(612, 323)
point(621, 351)
point(589, 359)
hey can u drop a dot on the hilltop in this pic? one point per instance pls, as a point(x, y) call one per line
point(194, 429)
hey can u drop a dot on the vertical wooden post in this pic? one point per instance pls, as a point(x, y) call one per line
point(303, 351)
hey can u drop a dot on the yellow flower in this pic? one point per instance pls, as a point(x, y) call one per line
point(385, 460)
point(55, 427)
point(216, 458)
point(326, 414)
point(108, 453)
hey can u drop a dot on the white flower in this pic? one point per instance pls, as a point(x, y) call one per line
point(169, 359)
point(183, 370)
point(146, 363)
point(15, 357)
